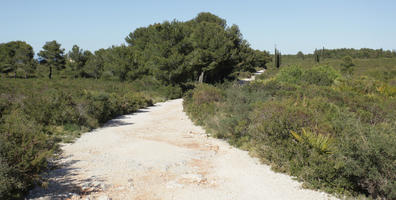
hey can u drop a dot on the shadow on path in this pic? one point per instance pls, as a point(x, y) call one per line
point(62, 185)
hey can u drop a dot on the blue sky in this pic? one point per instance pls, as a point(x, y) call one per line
point(290, 24)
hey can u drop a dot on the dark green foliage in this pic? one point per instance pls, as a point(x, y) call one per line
point(174, 53)
point(178, 52)
point(36, 114)
point(356, 53)
point(8, 182)
point(53, 56)
point(347, 65)
point(16, 59)
point(75, 62)
point(24, 149)
point(316, 56)
point(332, 133)
point(210, 18)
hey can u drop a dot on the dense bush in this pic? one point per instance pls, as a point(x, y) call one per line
point(332, 133)
point(320, 75)
point(37, 114)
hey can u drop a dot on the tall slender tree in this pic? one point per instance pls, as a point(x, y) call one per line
point(277, 58)
point(316, 56)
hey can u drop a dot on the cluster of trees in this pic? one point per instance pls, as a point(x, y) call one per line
point(182, 51)
point(343, 52)
point(172, 52)
point(16, 59)
point(355, 53)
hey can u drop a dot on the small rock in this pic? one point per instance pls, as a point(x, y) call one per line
point(73, 194)
point(75, 197)
point(45, 198)
point(95, 184)
point(120, 188)
point(193, 177)
point(106, 186)
point(130, 184)
point(85, 186)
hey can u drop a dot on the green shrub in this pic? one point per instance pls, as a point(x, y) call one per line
point(108, 75)
point(244, 74)
point(25, 148)
point(20, 73)
point(204, 97)
point(8, 181)
point(292, 74)
point(319, 75)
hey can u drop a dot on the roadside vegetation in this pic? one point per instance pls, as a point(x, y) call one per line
point(330, 124)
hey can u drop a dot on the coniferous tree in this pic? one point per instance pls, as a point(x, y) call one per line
point(316, 56)
point(277, 58)
point(52, 54)
point(76, 60)
point(16, 57)
point(300, 54)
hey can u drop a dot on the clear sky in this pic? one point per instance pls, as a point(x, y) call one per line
point(292, 25)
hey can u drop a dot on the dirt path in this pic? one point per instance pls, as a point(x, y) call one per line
point(253, 77)
point(158, 153)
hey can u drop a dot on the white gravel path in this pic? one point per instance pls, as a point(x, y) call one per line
point(158, 153)
point(253, 77)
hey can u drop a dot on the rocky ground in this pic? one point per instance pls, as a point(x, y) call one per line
point(157, 153)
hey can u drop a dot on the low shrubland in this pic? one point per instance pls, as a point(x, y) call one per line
point(383, 69)
point(37, 114)
point(332, 132)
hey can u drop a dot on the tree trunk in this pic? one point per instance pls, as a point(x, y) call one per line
point(50, 73)
point(200, 79)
